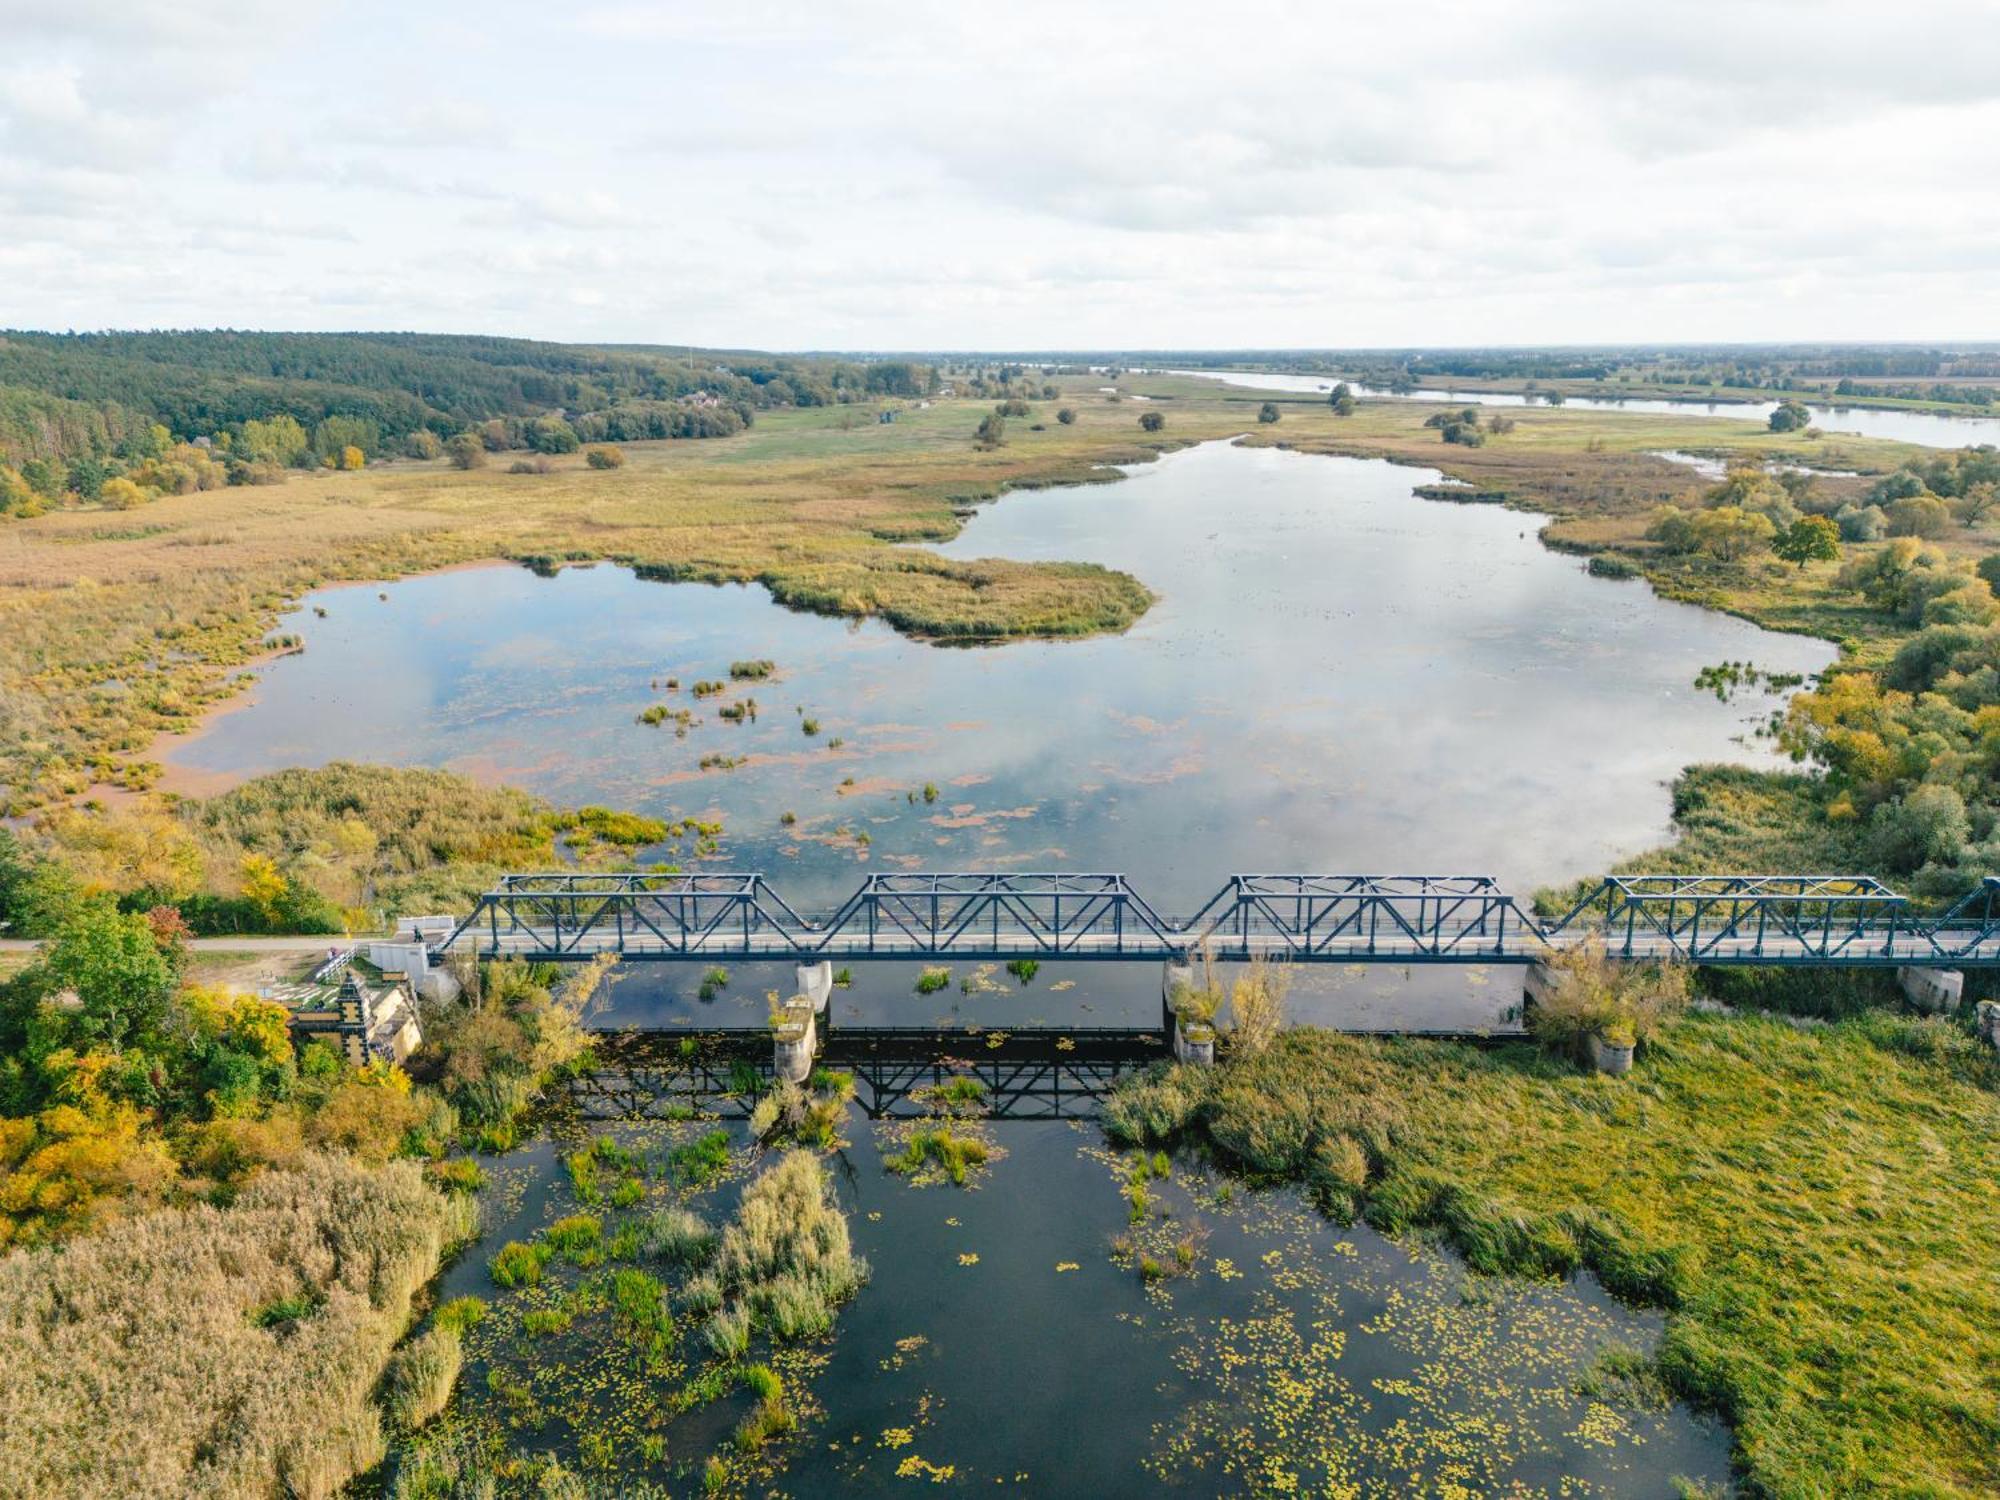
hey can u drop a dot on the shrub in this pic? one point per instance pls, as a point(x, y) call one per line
point(466, 450)
point(421, 1377)
point(932, 980)
point(1590, 993)
point(679, 1237)
point(605, 456)
point(1268, 412)
point(1151, 421)
point(1066, 416)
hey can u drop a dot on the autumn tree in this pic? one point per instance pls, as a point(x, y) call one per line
point(1809, 539)
point(467, 450)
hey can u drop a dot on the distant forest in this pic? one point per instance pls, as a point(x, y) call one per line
point(76, 409)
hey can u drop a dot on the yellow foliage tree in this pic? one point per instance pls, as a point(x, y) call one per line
point(352, 457)
point(263, 883)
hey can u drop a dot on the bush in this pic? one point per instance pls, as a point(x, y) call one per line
point(421, 1377)
point(1151, 421)
point(605, 456)
point(1066, 416)
point(1268, 412)
point(466, 450)
point(1625, 1003)
point(679, 1237)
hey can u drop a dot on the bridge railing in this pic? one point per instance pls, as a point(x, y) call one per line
point(1044, 915)
point(1315, 916)
point(1773, 919)
point(566, 914)
point(1703, 919)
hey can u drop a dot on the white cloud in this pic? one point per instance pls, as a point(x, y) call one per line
point(883, 173)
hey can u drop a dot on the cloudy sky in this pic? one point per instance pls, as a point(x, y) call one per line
point(845, 174)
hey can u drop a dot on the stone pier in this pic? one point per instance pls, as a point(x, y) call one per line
point(794, 1039)
point(815, 982)
point(1935, 992)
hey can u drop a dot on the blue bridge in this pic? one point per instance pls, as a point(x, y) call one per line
point(1783, 920)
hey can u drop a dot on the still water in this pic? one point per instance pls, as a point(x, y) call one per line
point(1338, 676)
point(1008, 1338)
point(1924, 428)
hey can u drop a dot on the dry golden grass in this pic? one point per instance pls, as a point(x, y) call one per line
point(136, 1364)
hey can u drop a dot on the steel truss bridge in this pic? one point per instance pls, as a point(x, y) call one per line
point(1782, 920)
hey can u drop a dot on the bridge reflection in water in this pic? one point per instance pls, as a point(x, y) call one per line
point(655, 1075)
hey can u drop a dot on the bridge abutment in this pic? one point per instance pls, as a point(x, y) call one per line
point(1936, 992)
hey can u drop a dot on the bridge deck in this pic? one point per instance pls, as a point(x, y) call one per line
point(1796, 921)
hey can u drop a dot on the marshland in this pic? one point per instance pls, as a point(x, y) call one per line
point(820, 646)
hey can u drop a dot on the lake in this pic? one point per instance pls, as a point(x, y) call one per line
point(1338, 676)
point(1928, 429)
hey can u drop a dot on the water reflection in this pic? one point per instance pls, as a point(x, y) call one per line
point(1338, 676)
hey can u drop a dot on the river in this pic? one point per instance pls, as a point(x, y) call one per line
point(1338, 675)
point(1928, 429)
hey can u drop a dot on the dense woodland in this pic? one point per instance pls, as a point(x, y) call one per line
point(202, 409)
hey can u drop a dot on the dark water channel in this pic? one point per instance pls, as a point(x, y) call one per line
point(1008, 1338)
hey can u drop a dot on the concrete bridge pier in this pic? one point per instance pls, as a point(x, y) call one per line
point(1935, 992)
point(794, 1040)
point(1194, 1041)
point(815, 982)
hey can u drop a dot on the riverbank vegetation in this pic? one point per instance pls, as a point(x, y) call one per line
point(1812, 1207)
point(227, 1351)
point(328, 849)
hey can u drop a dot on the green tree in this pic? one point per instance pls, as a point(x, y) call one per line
point(1341, 400)
point(1730, 533)
point(16, 869)
point(1919, 515)
point(1809, 539)
point(552, 435)
point(1790, 417)
point(116, 964)
point(992, 430)
point(1268, 412)
point(1067, 416)
point(334, 436)
point(1152, 421)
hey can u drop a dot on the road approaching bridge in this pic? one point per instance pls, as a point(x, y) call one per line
point(1801, 921)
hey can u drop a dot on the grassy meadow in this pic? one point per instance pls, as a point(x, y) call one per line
point(1814, 1208)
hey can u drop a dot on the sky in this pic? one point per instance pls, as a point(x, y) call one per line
point(875, 176)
